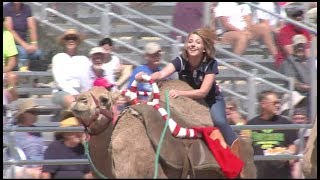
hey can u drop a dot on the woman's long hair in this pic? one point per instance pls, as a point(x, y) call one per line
point(207, 35)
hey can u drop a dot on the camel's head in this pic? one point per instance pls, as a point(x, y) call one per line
point(93, 105)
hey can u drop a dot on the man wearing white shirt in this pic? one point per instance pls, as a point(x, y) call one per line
point(236, 21)
point(67, 69)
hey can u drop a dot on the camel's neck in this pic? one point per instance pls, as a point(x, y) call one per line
point(98, 147)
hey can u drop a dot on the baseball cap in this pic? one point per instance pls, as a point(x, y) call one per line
point(97, 50)
point(151, 48)
point(300, 111)
point(294, 9)
point(299, 39)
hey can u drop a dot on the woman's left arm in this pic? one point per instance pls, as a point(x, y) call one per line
point(196, 93)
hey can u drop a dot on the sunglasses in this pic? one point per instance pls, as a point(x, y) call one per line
point(71, 38)
point(32, 112)
point(274, 103)
point(231, 108)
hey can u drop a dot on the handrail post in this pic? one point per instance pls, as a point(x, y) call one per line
point(291, 105)
point(206, 14)
point(105, 21)
point(43, 13)
point(252, 95)
point(313, 77)
point(175, 49)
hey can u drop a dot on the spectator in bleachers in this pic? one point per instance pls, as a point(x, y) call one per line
point(9, 55)
point(22, 25)
point(97, 74)
point(296, 65)
point(187, 16)
point(67, 68)
point(232, 112)
point(272, 21)
point(236, 21)
point(295, 11)
point(120, 72)
point(269, 138)
point(153, 56)
point(31, 143)
point(67, 145)
point(300, 117)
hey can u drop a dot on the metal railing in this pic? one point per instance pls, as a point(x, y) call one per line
point(175, 43)
point(312, 61)
point(14, 129)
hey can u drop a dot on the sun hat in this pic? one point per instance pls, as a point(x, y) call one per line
point(299, 39)
point(97, 50)
point(296, 98)
point(68, 122)
point(151, 48)
point(26, 105)
point(61, 39)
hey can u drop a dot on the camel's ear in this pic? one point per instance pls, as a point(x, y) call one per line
point(114, 96)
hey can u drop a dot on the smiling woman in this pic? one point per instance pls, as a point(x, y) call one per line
point(67, 68)
point(198, 67)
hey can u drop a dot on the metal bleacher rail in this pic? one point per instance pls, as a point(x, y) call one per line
point(249, 76)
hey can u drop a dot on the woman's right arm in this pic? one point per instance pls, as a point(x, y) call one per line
point(165, 72)
point(45, 175)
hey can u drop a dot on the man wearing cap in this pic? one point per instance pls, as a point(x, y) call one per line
point(295, 11)
point(31, 143)
point(67, 68)
point(152, 56)
point(296, 65)
point(97, 74)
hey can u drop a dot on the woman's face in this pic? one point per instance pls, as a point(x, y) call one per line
point(29, 117)
point(73, 138)
point(71, 42)
point(97, 59)
point(194, 45)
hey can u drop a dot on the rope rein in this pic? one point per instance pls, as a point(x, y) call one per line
point(175, 129)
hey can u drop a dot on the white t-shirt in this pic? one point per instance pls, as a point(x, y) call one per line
point(68, 70)
point(270, 6)
point(112, 66)
point(234, 13)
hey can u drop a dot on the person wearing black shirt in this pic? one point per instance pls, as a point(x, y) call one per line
point(270, 138)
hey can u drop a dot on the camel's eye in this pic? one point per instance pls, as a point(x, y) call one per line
point(83, 99)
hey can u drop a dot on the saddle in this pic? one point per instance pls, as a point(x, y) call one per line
point(178, 157)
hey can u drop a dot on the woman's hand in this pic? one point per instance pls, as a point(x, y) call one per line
point(174, 93)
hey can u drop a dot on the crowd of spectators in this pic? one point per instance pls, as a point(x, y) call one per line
point(73, 73)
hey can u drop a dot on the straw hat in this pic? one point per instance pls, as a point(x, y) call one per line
point(71, 121)
point(26, 105)
point(61, 39)
point(296, 98)
point(65, 114)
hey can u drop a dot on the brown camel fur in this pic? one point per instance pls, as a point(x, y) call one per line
point(125, 150)
point(309, 162)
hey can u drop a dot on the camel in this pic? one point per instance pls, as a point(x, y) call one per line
point(309, 163)
point(127, 148)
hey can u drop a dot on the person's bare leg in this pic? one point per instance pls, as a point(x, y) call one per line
point(67, 101)
point(263, 31)
point(12, 80)
point(239, 41)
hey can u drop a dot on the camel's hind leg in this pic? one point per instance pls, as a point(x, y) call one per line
point(132, 151)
